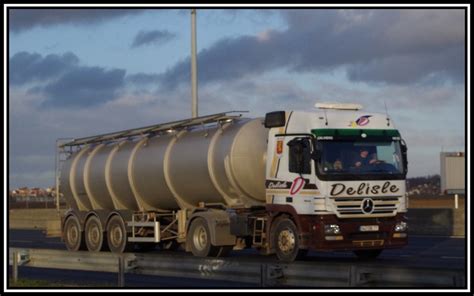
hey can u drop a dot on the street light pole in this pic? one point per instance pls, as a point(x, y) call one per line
point(194, 91)
point(56, 174)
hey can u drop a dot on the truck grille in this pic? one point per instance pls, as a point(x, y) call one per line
point(374, 206)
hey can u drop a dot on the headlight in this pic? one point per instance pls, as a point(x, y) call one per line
point(332, 229)
point(401, 227)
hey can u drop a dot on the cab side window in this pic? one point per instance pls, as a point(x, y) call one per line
point(299, 156)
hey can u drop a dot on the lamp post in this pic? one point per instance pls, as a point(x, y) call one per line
point(194, 91)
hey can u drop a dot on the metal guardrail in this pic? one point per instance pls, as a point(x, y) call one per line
point(266, 274)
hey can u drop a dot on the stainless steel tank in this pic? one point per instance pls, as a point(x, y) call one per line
point(219, 163)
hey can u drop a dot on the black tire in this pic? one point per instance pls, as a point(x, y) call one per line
point(367, 254)
point(94, 235)
point(72, 234)
point(286, 241)
point(199, 238)
point(117, 235)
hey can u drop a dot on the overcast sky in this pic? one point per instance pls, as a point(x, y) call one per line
point(78, 72)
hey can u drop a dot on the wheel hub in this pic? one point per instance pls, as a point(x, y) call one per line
point(200, 238)
point(286, 241)
point(94, 235)
point(116, 236)
point(73, 234)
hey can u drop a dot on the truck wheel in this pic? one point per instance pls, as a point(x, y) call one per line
point(94, 235)
point(286, 240)
point(117, 235)
point(367, 254)
point(72, 234)
point(199, 237)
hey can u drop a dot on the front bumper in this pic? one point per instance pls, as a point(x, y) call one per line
point(351, 237)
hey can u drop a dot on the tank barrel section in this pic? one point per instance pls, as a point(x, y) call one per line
point(155, 128)
point(218, 158)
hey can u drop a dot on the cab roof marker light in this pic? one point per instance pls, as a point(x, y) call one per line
point(338, 106)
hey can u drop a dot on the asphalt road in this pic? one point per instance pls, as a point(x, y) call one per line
point(432, 252)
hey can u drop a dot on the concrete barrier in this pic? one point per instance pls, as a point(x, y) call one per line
point(433, 222)
point(53, 228)
point(437, 217)
point(41, 219)
point(459, 222)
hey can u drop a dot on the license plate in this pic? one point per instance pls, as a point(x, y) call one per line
point(369, 228)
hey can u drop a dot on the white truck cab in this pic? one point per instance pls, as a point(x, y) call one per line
point(340, 174)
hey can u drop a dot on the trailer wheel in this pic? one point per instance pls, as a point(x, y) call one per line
point(286, 240)
point(72, 234)
point(117, 235)
point(199, 237)
point(368, 254)
point(94, 234)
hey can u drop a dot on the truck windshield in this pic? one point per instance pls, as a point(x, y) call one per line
point(339, 158)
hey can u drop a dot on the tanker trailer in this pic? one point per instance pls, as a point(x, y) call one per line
point(222, 182)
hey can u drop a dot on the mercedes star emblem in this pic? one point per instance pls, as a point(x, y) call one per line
point(367, 206)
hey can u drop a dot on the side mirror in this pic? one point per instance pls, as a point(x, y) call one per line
point(404, 149)
point(403, 146)
point(275, 119)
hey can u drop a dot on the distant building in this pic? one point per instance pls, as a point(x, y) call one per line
point(453, 172)
point(23, 191)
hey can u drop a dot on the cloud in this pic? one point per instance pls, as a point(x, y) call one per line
point(27, 67)
point(84, 86)
point(25, 19)
point(152, 37)
point(64, 82)
point(405, 69)
point(228, 59)
point(143, 78)
point(387, 46)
